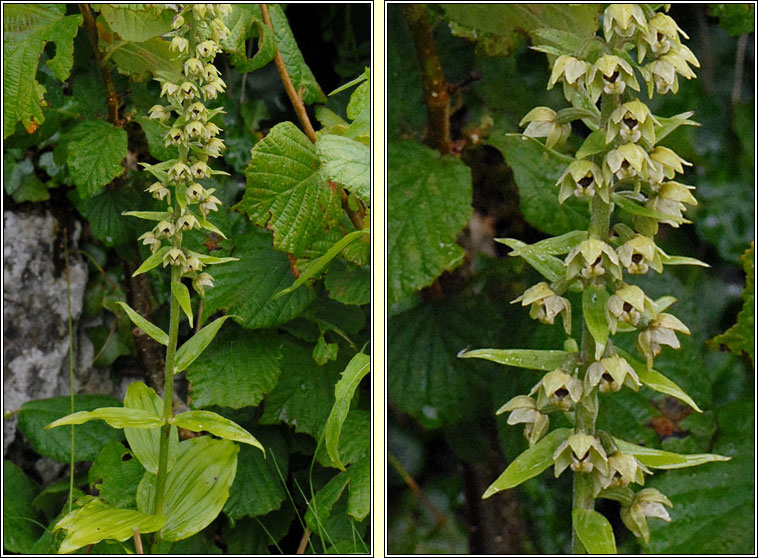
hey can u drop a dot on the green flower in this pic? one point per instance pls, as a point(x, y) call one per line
point(638, 254)
point(624, 20)
point(524, 410)
point(610, 374)
point(670, 199)
point(590, 259)
point(623, 469)
point(661, 74)
point(571, 72)
point(583, 453)
point(631, 121)
point(662, 35)
point(546, 305)
point(557, 388)
point(626, 161)
point(648, 502)
point(582, 178)
point(149, 239)
point(659, 331)
point(159, 191)
point(201, 281)
point(610, 75)
point(666, 164)
point(543, 124)
point(625, 305)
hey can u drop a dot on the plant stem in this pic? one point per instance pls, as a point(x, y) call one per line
point(70, 369)
point(436, 94)
point(168, 396)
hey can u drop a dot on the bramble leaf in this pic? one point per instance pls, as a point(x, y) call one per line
point(429, 202)
point(287, 191)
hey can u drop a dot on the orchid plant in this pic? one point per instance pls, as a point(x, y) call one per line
point(629, 181)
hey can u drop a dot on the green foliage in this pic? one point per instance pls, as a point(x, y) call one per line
point(34, 416)
point(595, 532)
point(115, 474)
point(429, 200)
point(21, 526)
point(27, 28)
point(740, 338)
point(735, 19)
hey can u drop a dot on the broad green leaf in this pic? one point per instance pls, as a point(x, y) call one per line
point(359, 496)
point(257, 488)
point(117, 417)
point(594, 300)
point(498, 28)
point(193, 348)
point(595, 143)
point(659, 459)
point(196, 488)
point(245, 288)
point(140, 60)
point(286, 190)
point(594, 530)
point(27, 28)
point(104, 214)
point(305, 391)
point(181, 293)
point(242, 18)
point(553, 246)
point(424, 378)
point(740, 338)
point(236, 370)
point(641, 211)
point(536, 171)
point(150, 329)
point(530, 463)
point(299, 72)
point(207, 421)
point(357, 368)
point(136, 25)
point(522, 358)
point(95, 151)
point(98, 521)
point(320, 506)
point(657, 381)
point(735, 19)
point(155, 134)
point(347, 162)
point(714, 504)
point(56, 443)
point(145, 443)
point(20, 520)
point(429, 202)
point(349, 284)
point(115, 475)
point(317, 265)
point(549, 266)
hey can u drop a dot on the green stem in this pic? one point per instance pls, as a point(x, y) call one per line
point(70, 370)
point(168, 396)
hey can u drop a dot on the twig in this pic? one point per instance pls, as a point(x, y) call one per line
point(295, 99)
point(436, 90)
point(111, 97)
point(304, 541)
point(302, 115)
point(439, 519)
point(138, 541)
point(706, 58)
point(739, 65)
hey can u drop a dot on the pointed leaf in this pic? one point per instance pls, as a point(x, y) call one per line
point(553, 246)
point(549, 266)
point(145, 443)
point(357, 368)
point(196, 488)
point(321, 262)
point(152, 330)
point(151, 262)
point(659, 459)
point(320, 506)
point(359, 498)
point(641, 211)
point(594, 530)
point(668, 125)
point(181, 293)
point(530, 463)
point(682, 260)
point(98, 521)
point(657, 381)
point(196, 344)
point(148, 215)
point(595, 143)
point(521, 358)
point(117, 417)
point(199, 421)
point(594, 300)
